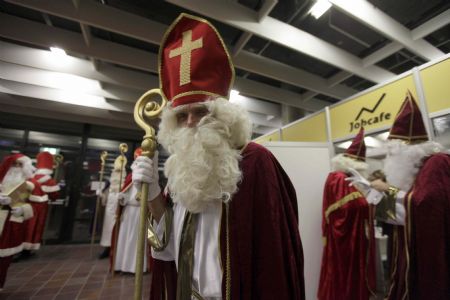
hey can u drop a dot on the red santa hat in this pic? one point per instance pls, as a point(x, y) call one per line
point(44, 163)
point(9, 160)
point(137, 152)
point(357, 149)
point(194, 64)
point(408, 124)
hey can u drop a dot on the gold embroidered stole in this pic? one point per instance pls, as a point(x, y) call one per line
point(186, 257)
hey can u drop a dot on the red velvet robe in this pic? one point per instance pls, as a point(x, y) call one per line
point(348, 261)
point(423, 266)
point(265, 258)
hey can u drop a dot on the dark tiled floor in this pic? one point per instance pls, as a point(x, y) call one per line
point(67, 272)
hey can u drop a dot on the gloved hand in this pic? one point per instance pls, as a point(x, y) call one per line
point(98, 192)
point(358, 181)
point(145, 170)
point(374, 197)
point(121, 198)
point(17, 211)
point(5, 200)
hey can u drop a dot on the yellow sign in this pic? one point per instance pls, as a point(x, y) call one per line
point(271, 137)
point(436, 85)
point(372, 110)
point(311, 129)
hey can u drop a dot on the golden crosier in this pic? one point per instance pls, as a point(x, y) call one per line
point(144, 111)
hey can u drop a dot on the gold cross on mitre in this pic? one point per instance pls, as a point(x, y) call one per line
point(187, 46)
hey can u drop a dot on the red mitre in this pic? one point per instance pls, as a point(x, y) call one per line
point(408, 124)
point(194, 64)
point(44, 160)
point(357, 149)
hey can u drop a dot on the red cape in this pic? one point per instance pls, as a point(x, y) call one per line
point(266, 255)
point(423, 266)
point(348, 261)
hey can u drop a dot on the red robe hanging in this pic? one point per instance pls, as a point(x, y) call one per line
point(422, 269)
point(348, 261)
point(34, 227)
point(265, 258)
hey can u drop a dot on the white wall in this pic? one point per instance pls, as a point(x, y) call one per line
point(308, 165)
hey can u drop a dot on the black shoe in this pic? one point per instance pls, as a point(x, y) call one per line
point(105, 253)
point(24, 255)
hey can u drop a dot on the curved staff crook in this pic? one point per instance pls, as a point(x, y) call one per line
point(144, 111)
point(103, 156)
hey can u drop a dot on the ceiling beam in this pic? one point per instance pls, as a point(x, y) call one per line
point(284, 34)
point(62, 96)
point(260, 65)
point(96, 14)
point(45, 60)
point(39, 34)
point(266, 8)
point(431, 25)
point(382, 53)
point(41, 108)
point(57, 80)
point(114, 20)
point(368, 14)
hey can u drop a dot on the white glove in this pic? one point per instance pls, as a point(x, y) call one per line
point(17, 211)
point(5, 200)
point(358, 181)
point(121, 198)
point(374, 197)
point(98, 192)
point(145, 170)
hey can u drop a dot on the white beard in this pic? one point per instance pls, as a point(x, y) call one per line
point(13, 177)
point(203, 167)
point(403, 162)
point(115, 181)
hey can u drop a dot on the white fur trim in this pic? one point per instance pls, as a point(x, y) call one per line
point(50, 188)
point(27, 211)
point(30, 186)
point(342, 163)
point(11, 251)
point(35, 198)
point(15, 219)
point(31, 246)
point(24, 159)
point(43, 172)
point(44, 179)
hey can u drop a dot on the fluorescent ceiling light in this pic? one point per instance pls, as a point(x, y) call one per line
point(58, 51)
point(319, 8)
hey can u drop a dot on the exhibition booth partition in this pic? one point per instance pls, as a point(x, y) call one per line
point(304, 147)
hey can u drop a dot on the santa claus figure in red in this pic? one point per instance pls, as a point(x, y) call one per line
point(35, 226)
point(418, 182)
point(348, 261)
point(232, 231)
point(14, 170)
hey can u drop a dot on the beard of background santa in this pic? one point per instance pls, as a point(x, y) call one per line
point(403, 162)
point(13, 177)
point(203, 168)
